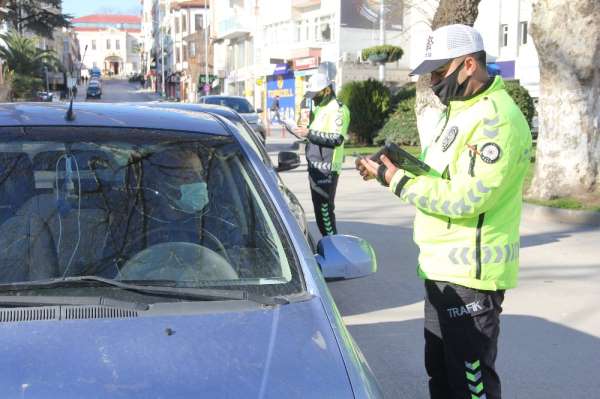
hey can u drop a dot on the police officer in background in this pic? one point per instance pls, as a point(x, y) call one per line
point(326, 133)
point(468, 213)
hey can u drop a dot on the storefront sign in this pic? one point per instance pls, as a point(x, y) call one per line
point(281, 69)
point(284, 87)
point(306, 63)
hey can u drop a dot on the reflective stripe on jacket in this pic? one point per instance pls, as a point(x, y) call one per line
point(467, 221)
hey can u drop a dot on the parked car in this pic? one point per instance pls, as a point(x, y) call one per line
point(286, 160)
point(94, 90)
point(147, 252)
point(241, 106)
point(45, 96)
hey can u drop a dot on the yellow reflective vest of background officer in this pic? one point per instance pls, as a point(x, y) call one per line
point(467, 221)
point(328, 131)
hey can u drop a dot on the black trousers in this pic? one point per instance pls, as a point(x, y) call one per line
point(322, 189)
point(461, 341)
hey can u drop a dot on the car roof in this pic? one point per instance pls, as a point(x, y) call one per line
point(110, 115)
point(220, 110)
point(220, 96)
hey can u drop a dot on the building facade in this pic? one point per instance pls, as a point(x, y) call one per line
point(504, 25)
point(265, 48)
point(181, 49)
point(113, 43)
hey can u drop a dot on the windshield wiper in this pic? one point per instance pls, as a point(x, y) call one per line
point(178, 292)
point(35, 300)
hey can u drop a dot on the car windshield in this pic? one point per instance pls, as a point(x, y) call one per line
point(138, 205)
point(240, 105)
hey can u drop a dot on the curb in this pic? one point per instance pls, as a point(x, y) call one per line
point(547, 214)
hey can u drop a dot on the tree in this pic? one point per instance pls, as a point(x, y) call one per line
point(427, 105)
point(22, 57)
point(39, 17)
point(567, 38)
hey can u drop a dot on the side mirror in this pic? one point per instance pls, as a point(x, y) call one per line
point(287, 160)
point(259, 110)
point(345, 257)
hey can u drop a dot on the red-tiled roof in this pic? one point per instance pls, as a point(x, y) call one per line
point(88, 29)
point(109, 18)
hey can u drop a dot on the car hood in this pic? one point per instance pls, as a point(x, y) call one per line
point(289, 351)
point(250, 118)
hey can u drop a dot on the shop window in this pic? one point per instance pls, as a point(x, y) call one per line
point(198, 21)
point(503, 35)
point(523, 33)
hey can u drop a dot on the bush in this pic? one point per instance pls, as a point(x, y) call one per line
point(393, 53)
point(369, 104)
point(24, 86)
point(407, 91)
point(521, 97)
point(401, 127)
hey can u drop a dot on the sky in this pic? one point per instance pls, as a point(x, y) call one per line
point(79, 8)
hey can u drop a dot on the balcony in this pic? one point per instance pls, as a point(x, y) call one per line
point(234, 27)
point(301, 4)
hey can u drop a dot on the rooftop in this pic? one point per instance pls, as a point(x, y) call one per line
point(109, 18)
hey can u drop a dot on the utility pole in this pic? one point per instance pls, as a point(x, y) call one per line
point(206, 83)
point(162, 51)
point(47, 83)
point(381, 36)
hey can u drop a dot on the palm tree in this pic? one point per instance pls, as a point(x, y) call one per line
point(25, 62)
point(22, 56)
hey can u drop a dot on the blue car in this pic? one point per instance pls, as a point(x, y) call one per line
point(148, 253)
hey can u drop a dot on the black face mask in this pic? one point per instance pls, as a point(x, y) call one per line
point(449, 89)
point(321, 98)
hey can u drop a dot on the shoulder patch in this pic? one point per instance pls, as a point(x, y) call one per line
point(490, 152)
point(449, 138)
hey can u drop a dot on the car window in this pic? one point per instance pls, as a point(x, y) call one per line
point(250, 136)
point(240, 105)
point(135, 204)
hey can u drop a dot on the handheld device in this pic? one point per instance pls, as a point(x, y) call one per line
point(402, 159)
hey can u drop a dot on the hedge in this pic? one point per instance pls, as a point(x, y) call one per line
point(369, 102)
point(521, 97)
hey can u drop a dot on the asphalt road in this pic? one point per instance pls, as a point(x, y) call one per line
point(550, 329)
point(114, 91)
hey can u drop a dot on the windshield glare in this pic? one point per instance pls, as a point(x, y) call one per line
point(138, 205)
point(240, 105)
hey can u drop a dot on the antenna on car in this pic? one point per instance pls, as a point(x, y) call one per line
point(70, 116)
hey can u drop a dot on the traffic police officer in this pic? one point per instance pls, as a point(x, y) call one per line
point(467, 220)
point(326, 133)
